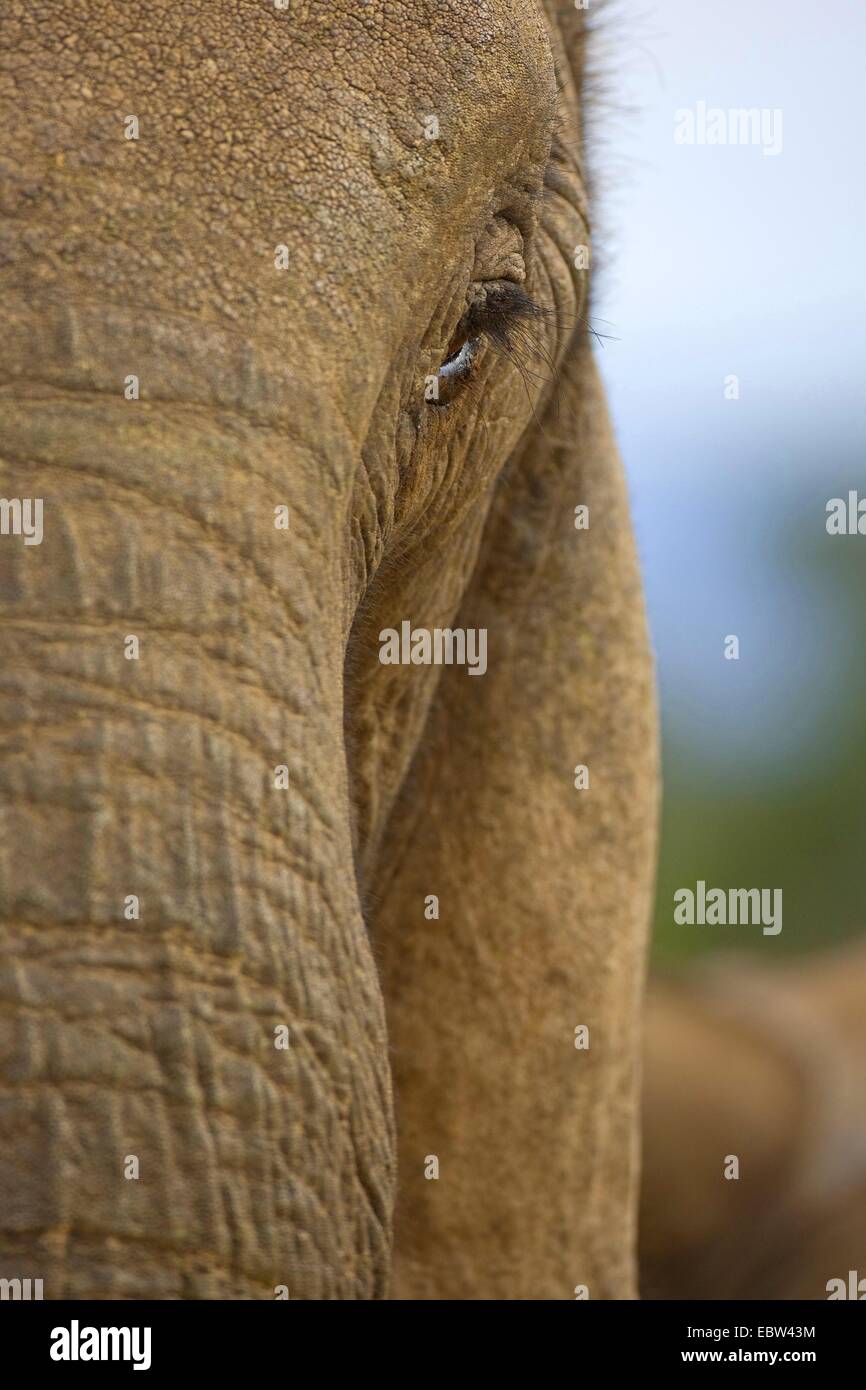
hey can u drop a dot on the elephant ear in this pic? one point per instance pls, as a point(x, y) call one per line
point(512, 921)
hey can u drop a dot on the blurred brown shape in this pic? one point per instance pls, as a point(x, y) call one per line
point(768, 1064)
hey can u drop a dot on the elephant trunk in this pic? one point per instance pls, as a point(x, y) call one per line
point(195, 1100)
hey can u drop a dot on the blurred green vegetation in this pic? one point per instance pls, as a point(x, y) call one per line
point(803, 830)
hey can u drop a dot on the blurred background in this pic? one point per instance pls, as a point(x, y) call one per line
point(716, 261)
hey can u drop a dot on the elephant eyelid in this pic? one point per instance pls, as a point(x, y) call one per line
point(505, 314)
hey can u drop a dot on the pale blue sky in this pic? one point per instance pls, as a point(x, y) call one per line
point(720, 260)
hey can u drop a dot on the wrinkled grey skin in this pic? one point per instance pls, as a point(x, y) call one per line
point(153, 1038)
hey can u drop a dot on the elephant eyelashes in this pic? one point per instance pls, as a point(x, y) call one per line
point(503, 314)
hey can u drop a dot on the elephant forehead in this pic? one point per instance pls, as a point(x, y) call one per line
point(401, 54)
point(450, 75)
point(410, 117)
point(350, 132)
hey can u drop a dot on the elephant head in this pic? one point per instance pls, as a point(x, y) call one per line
point(296, 358)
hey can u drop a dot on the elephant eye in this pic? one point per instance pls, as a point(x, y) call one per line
point(459, 362)
point(456, 370)
point(502, 314)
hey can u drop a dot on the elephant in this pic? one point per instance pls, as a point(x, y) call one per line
point(767, 1065)
point(322, 974)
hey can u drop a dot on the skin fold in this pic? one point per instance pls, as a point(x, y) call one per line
point(283, 258)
